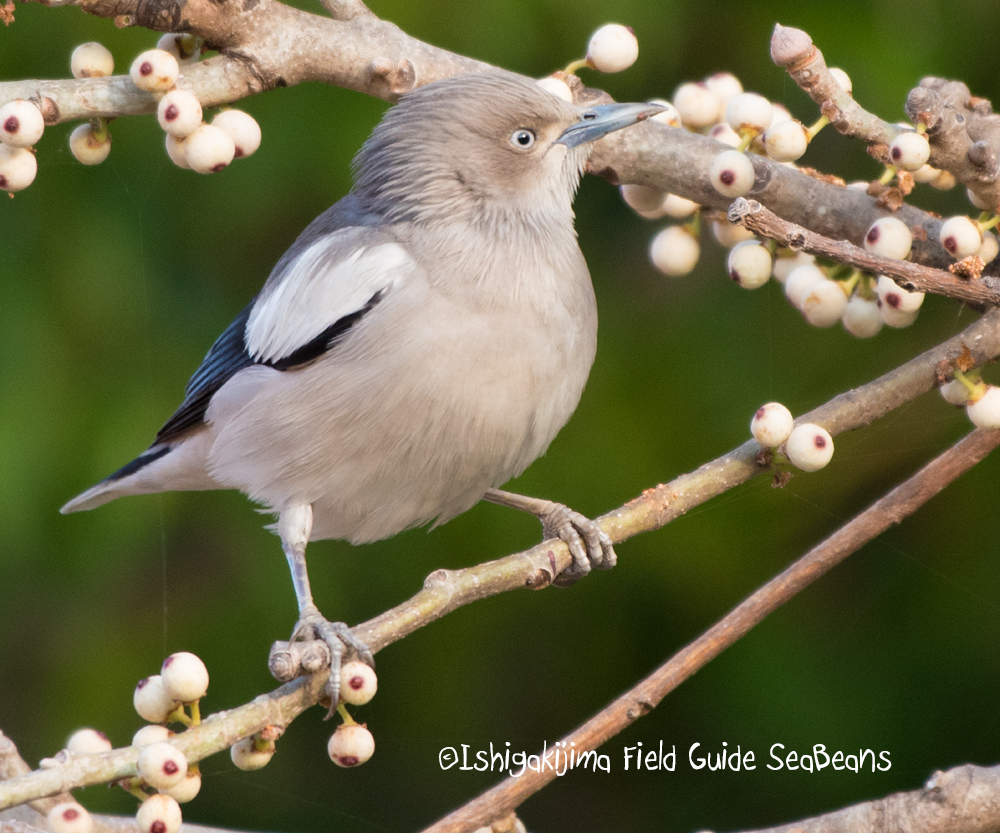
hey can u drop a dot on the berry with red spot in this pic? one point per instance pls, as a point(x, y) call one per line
point(155, 71)
point(889, 237)
point(749, 264)
point(809, 447)
point(242, 128)
point(209, 149)
point(351, 745)
point(162, 765)
point(960, 237)
point(771, 424)
point(731, 173)
point(909, 151)
point(612, 48)
point(358, 683)
point(159, 814)
point(179, 113)
point(17, 168)
point(69, 817)
point(891, 294)
point(21, 123)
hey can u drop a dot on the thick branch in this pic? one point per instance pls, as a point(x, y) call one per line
point(647, 695)
point(759, 220)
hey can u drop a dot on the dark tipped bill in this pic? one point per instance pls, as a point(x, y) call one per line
point(606, 118)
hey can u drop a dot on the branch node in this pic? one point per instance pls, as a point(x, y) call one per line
point(790, 46)
point(396, 76)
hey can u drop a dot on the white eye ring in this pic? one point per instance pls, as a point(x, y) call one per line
point(522, 138)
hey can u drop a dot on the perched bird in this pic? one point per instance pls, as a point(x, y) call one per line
point(421, 342)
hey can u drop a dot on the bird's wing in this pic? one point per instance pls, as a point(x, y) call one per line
point(308, 304)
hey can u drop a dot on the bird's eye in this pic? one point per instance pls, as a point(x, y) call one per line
point(522, 138)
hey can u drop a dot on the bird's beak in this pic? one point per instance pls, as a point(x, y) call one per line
point(603, 119)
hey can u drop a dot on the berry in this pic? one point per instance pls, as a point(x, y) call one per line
point(351, 745)
point(749, 114)
point(248, 757)
point(358, 683)
point(944, 181)
point(990, 248)
point(731, 173)
point(824, 304)
point(667, 116)
point(926, 175)
point(159, 814)
point(21, 123)
point(556, 86)
point(749, 264)
point(182, 46)
point(88, 740)
point(242, 129)
point(177, 152)
point(155, 71)
point(17, 168)
point(185, 677)
point(781, 113)
point(86, 147)
point(960, 237)
point(894, 318)
point(674, 251)
point(179, 113)
point(981, 204)
point(809, 447)
point(771, 425)
point(91, 60)
point(786, 141)
point(678, 207)
point(612, 48)
point(891, 294)
point(642, 197)
point(729, 234)
point(697, 104)
point(909, 151)
point(786, 261)
point(800, 281)
point(725, 85)
point(955, 393)
point(843, 79)
point(209, 149)
point(151, 700)
point(985, 411)
point(861, 317)
point(69, 817)
point(186, 790)
point(889, 237)
point(162, 765)
point(154, 733)
point(722, 132)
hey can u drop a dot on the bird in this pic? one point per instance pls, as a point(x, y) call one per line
point(421, 343)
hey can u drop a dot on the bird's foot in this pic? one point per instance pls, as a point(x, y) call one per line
point(589, 545)
point(315, 644)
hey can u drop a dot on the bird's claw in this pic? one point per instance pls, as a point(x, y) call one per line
point(338, 638)
point(589, 545)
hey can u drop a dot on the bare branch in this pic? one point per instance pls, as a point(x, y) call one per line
point(647, 695)
point(756, 218)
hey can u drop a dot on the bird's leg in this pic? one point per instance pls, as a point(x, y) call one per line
point(589, 545)
point(294, 527)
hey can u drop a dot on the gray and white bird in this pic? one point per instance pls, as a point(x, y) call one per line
point(421, 342)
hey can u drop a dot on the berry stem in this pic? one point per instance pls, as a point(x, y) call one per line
point(820, 123)
point(887, 175)
point(851, 281)
point(973, 383)
point(988, 220)
point(195, 713)
point(582, 63)
point(342, 711)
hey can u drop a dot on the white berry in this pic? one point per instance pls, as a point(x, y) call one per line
point(861, 317)
point(17, 168)
point(179, 113)
point(177, 152)
point(358, 683)
point(21, 123)
point(809, 447)
point(722, 132)
point(351, 745)
point(151, 700)
point(771, 425)
point(155, 71)
point(678, 207)
point(824, 304)
point(731, 173)
point(909, 151)
point(697, 104)
point(781, 113)
point(674, 251)
point(668, 115)
point(955, 393)
point(944, 181)
point(786, 141)
point(162, 765)
point(69, 817)
point(154, 733)
point(889, 237)
point(725, 85)
point(926, 174)
point(186, 790)
point(159, 814)
point(642, 197)
point(786, 261)
point(248, 757)
point(86, 147)
point(749, 113)
point(91, 60)
point(801, 280)
point(612, 48)
point(893, 295)
point(242, 129)
point(182, 46)
point(88, 740)
point(729, 234)
point(985, 411)
point(556, 86)
point(843, 79)
point(981, 204)
point(209, 149)
point(749, 264)
point(960, 237)
point(185, 677)
point(895, 318)
point(990, 248)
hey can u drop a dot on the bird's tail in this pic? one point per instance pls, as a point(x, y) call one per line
point(128, 480)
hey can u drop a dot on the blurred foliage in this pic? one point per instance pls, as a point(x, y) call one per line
point(117, 279)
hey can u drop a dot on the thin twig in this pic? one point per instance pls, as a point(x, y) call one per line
point(644, 697)
point(759, 220)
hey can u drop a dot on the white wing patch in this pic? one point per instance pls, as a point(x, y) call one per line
point(318, 290)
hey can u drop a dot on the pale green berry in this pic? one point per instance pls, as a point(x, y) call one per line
point(722, 132)
point(725, 85)
point(182, 46)
point(642, 197)
point(990, 248)
point(668, 115)
point(843, 79)
point(186, 790)
point(17, 168)
point(678, 207)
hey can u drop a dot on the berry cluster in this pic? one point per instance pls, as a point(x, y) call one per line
point(808, 447)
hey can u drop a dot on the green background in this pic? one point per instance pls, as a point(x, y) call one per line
point(116, 280)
